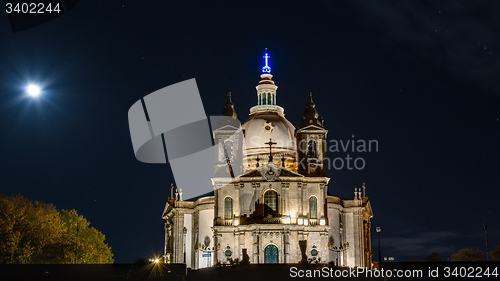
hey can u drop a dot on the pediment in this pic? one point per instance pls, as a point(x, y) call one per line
point(311, 127)
point(227, 128)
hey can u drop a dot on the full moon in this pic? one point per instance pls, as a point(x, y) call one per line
point(33, 90)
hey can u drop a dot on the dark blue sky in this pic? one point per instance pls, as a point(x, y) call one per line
point(421, 78)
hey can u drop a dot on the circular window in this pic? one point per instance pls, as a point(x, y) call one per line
point(268, 128)
point(207, 241)
point(228, 253)
point(314, 252)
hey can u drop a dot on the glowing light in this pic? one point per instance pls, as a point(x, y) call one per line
point(266, 68)
point(306, 222)
point(300, 221)
point(157, 260)
point(322, 222)
point(33, 90)
point(286, 220)
point(236, 222)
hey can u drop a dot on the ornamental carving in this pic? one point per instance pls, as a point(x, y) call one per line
point(270, 172)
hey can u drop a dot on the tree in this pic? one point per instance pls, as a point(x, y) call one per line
point(39, 233)
point(434, 257)
point(467, 254)
point(495, 254)
point(91, 246)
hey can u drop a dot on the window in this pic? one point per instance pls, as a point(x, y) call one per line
point(270, 202)
point(228, 150)
point(228, 208)
point(311, 149)
point(313, 207)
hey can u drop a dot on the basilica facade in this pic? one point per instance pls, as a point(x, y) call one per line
point(275, 206)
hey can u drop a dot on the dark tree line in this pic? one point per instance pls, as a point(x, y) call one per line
point(35, 232)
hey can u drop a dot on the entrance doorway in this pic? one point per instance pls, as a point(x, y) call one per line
point(271, 254)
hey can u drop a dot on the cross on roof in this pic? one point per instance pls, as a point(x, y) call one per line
point(270, 143)
point(266, 68)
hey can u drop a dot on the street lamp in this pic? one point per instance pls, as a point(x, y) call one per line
point(185, 232)
point(379, 254)
point(485, 225)
point(340, 249)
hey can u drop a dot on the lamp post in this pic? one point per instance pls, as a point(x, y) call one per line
point(340, 249)
point(76, 247)
point(185, 232)
point(379, 254)
point(485, 225)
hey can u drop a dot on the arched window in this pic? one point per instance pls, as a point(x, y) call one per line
point(313, 207)
point(228, 208)
point(311, 149)
point(228, 150)
point(270, 203)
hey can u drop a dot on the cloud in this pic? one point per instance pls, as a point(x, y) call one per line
point(459, 39)
point(418, 246)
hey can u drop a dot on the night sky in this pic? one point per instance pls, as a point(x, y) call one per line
point(419, 77)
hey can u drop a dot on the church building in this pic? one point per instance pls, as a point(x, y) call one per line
point(277, 209)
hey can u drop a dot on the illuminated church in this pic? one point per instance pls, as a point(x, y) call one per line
point(277, 210)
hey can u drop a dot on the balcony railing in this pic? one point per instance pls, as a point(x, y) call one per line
point(273, 220)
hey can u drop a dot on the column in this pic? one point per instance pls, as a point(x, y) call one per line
point(255, 247)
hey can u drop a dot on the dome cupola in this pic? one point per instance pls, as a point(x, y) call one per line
point(267, 121)
point(310, 116)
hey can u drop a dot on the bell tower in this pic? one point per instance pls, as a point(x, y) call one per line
point(311, 142)
point(228, 138)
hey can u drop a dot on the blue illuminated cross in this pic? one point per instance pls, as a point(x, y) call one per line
point(266, 68)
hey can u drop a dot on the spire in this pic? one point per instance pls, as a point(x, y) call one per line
point(266, 91)
point(229, 108)
point(310, 116)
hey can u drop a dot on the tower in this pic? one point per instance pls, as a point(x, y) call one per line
point(229, 140)
point(311, 139)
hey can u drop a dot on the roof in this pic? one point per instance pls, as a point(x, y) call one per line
point(211, 193)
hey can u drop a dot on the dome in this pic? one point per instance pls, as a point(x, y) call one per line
point(259, 129)
point(267, 123)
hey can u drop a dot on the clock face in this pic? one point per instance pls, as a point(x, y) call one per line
point(207, 241)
